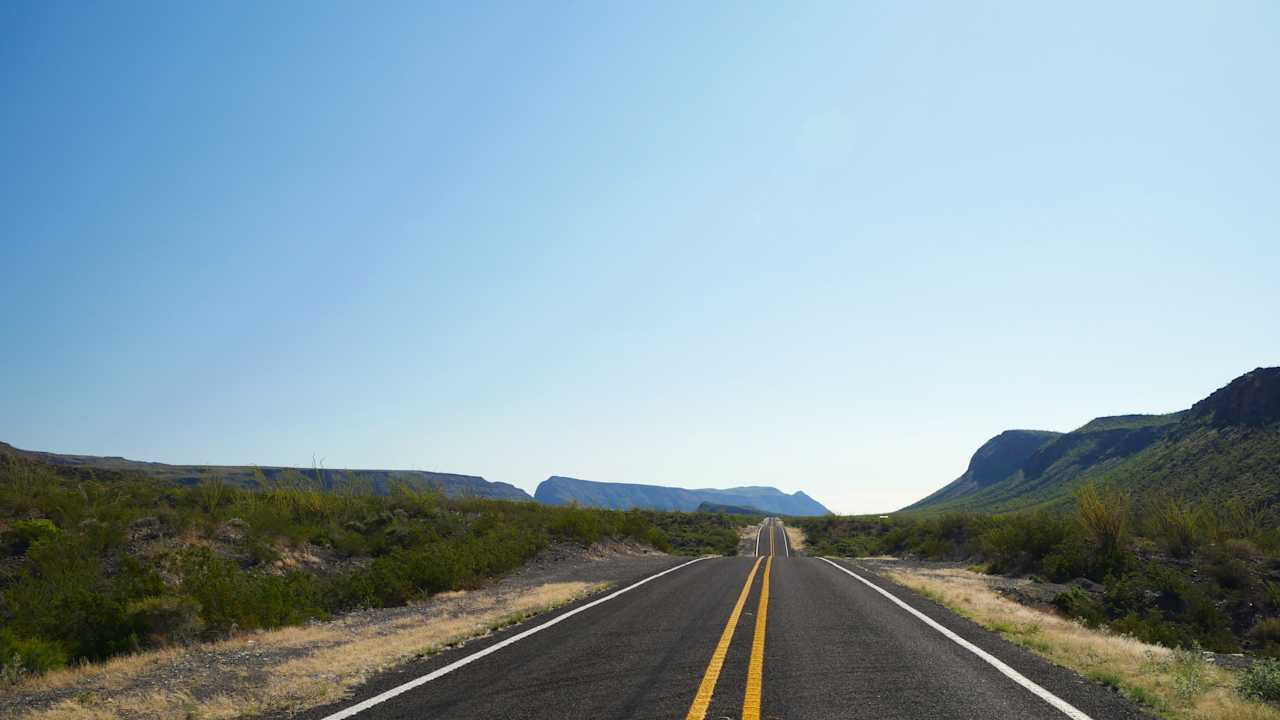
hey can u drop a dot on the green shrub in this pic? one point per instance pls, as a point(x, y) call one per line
point(578, 524)
point(20, 657)
point(1223, 564)
point(1104, 516)
point(232, 599)
point(1078, 604)
point(1188, 668)
point(1020, 543)
point(166, 619)
point(1262, 681)
point(1177, 527)
point(23, 533)
point(1271, 596)
point(1071, 559)
point(1265, 635)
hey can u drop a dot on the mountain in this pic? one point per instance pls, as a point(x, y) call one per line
point(1227, 446)
point(710, 507)
point(558, 490)
point(998, 458)
point(379, 482)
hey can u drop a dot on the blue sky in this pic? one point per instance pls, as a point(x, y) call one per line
point(827, 246)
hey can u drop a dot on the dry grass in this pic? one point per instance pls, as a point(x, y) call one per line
point(1175, 685)
point(327, 660)
point(796, 537)
point(112, 674)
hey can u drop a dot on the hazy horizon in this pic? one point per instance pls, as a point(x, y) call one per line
point(831, 250)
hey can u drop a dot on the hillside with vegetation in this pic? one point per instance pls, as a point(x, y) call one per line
point(375, 482)
point(558, 490)
point(1226, 447)
point(97, 562)
point(1180, 574)
point(997, 459)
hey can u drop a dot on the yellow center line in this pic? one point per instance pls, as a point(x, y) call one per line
point(755, 670)
point(771, 548)
point(701, 701)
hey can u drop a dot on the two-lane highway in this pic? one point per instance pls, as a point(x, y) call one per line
point(777, 635)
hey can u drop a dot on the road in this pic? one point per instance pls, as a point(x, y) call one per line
point(778, 635)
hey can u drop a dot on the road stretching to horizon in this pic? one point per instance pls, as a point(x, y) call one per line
point(775, 635)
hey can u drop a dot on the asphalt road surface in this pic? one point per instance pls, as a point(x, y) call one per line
point(778, 635)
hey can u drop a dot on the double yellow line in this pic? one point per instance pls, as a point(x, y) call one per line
point(755, 668)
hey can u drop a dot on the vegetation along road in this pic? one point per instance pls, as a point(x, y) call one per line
point(778, 635)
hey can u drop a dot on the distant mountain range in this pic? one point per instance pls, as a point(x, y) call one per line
point(378, 481)
point(1226, 446)
point(555, 491)
point(558, 490)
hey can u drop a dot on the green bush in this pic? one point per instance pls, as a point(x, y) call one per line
point(1078, 604)
point(1177, 527)
point(166, 619)
point(1262, 681)
point(20, 657)
point(23, 533)
point(1103, 514)
point(232, 599)
point(1223, 564)
point(1265, 635)
point(1020, 543)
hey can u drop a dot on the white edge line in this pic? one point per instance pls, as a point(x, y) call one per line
point(758, 533)
point(399, 689)
point(1067, 708)
point(786, 544)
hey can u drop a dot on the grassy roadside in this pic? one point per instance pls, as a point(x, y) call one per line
point(1162, 570)
point(98, 565)
point(311, 666)
point(1174, 684)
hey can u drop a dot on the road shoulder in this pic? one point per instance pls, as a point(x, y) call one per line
point(1096, 700)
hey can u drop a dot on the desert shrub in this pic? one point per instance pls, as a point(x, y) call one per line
point(20, 657)
point(1177, 527)
point(18, 538)
point(1161, 605)
point(231, 598)
point(1271, 596)
point(1265, 635)
point(1078, 604)
point(1188, 668)
point(1073, 558)
point(579, 525)
point(1225, 566)
point(63, 596)
point(699, 533)
point(1262, 681)
point(1103, 514)
point(1020, 543)
point(166, 619)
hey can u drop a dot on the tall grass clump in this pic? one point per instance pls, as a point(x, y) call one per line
point(1262, 681)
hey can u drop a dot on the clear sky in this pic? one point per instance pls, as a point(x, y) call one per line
point(830, 247)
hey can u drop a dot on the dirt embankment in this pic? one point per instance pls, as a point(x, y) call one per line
point(796, 537)
point(299, 667)
point(747, 540)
